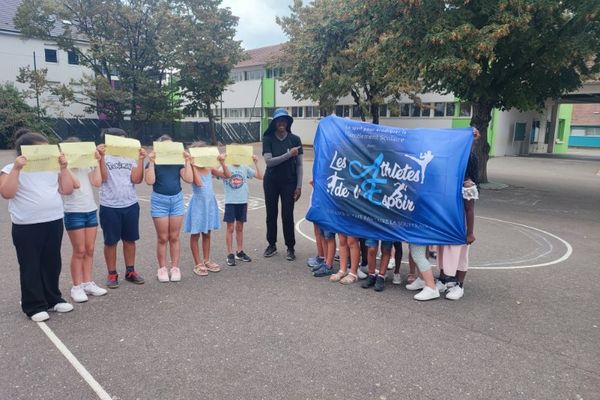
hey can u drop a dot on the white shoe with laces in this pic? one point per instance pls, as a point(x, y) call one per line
point(40, 317)
point(94, 290)
point(416, 285)
point(61, 307)
point(175, 274)
point(163, 274)
point(397, 279)
point(440, 286)
point(455, 293)
point(427, 294)
point(392, 264)
point(361, 274)
point(78, 294)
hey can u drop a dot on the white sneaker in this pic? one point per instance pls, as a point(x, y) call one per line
point(78, 294)
point(62, 307)
point(40, 317)
point(397, 279)
point(361, 274)
point(427, 294)
point(416, 285)
point(392, 263)
point(440, 286)
point(92, 289)
point(163, 274)
point(455, 293)
point(175, 274)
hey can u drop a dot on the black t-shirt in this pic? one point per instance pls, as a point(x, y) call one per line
point(168, 180)
point(472, 171)
point(286, 171)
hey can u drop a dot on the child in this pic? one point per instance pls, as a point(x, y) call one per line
point(119, 210)
point(203, 213)
point(348, 246)
point(377, 280)
point(236, 207)
point(81, 223)
point(167, 209)
point(326, 268)
point(36, 212)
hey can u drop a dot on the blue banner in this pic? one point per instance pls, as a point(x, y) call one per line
point(385, 183)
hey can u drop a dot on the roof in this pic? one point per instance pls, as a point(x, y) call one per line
point(7, 13)
point(261, 56)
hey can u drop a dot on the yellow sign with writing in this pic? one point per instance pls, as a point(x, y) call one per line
point(119, 146)
point(80, 154)
point(41, 158)
point(168, 153)
point(239, 154)
point(205, 156)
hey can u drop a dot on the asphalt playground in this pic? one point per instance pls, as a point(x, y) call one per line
point(528, 326)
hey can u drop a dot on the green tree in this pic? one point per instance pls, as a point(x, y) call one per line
point(205, 55)
point(120, 42)
point(493, 53)
point(14, 114)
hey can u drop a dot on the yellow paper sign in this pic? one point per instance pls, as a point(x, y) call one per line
point(41, 158)
point(168, 153)
point(119, 146)
point(80, 154)
point(239, 154)
point(205, 156)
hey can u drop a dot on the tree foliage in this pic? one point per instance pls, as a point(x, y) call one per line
point(14, 114)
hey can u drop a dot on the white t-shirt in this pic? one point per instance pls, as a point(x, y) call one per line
point(82, 199)
point(37, 199)
point(118, 191)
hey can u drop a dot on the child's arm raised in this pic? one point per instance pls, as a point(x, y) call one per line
point(9, 183)
point(95, 176)
point(150, 177)
point(76, 183)
point(102, 162)
point(196, 176)
point(187, 172)
point(65, 177)
point(259, 174)
point(224, 171)
point(137, 173)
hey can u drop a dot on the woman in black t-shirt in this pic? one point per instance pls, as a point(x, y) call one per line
point(283, 152)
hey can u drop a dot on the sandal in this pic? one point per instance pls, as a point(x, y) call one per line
point(349, 279)
point(212, 266)
point(200, 270)
point(338, 276)
point(410, 278)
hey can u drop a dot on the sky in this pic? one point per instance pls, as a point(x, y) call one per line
point(257, 26)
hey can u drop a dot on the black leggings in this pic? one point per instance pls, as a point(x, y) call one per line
point(38, 253)
point(274, 190)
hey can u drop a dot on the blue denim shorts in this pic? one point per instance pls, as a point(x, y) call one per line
point(327, 234)
point(80, 220)
point(374, 243)
point(166, 206)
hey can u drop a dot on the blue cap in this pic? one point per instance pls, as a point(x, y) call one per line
point(280, 113)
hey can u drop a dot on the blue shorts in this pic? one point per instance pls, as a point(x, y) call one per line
point(235, 212)
point(374, 243)
point(80, 220)
point(166, 206)
point(327, 234)
point(120, 224)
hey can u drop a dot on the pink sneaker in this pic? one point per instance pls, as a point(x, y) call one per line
point(162, 274)
point(175, 274)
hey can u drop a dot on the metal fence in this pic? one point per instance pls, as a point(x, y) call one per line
point(180, 131)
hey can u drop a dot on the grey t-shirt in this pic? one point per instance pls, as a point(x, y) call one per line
point(118, 191)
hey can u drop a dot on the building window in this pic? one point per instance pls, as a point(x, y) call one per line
point(73, 57)
point(297, 112)
point(252, 112)
point(439, 109)
point(51, 56)
point(312, 112)
point(254, 75)
point(236, 76)
point(450, 109)
point(342, 111)
point(582, 130)
point(405, 109)
point(394, 108)
point(426, 110)
point(275, 72)
point(465, 110)
point(383, 110)
point(356, 111)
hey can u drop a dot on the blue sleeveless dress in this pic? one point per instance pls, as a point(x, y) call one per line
point(203, 211)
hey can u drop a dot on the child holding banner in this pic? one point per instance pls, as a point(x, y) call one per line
point(203, 212)
point(119, 208)
point(377, 281)
point(81, 223)
point(166, 205)
point(36, 212)
point(236, 207)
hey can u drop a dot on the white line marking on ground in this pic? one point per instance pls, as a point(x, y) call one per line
point(564, 257)
point(74, 362)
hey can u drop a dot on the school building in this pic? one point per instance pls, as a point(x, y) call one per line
point(256, 92)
